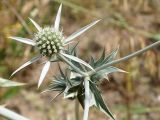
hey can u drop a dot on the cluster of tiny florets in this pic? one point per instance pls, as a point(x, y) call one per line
point(49, 41)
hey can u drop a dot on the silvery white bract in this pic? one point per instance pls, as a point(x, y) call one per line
point(50, 43)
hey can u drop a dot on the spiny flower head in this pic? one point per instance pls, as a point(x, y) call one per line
point(49, 41)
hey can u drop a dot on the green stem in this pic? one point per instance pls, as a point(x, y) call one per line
point(87, 98)
point(126, 57)
point(70, 64)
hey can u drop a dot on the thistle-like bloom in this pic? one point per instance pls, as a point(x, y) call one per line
point(50, 43)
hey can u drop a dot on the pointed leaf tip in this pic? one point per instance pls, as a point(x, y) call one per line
point(58, 17)
point(43, 73)
point(80, 31)
point(23, 40)
point(35, 24)
point(26, 64)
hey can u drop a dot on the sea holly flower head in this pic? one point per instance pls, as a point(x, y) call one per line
point(50, 42)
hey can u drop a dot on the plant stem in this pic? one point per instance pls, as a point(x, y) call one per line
point(77, 110)
point(87, 98)
point(10, 114)
point(70, 64)
point(126, 57)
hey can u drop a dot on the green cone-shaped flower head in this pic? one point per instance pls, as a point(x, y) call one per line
point(49, 41)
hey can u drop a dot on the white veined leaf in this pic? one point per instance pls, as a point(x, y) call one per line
point(99, 102)
point(108, 70)
point(76, 59)
point(36, 25)
point(112, 55)
point(58, 17)
point(9, 83)
point(43, 73)
point(103, 74)
point(24, 40)
point(26, 64)
point(79, 32)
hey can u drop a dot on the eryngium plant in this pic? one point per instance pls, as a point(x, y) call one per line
point(82, 81)
point(51, 44)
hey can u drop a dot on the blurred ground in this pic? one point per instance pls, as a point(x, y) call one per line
point(129, 24)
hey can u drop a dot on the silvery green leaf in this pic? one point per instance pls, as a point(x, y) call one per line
point(77, 60)
point(24, 40)
point(111, 56)
point(35, 24)
point(110, 69)
point(57, 85)
point(92, 62)
point(101, 59)
point(99, 102)
point(9, 83)
point(43, 73)
point(58, 17)
point(103, 73)
point(77, 64)
point(26, 64)
point(79, 32)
